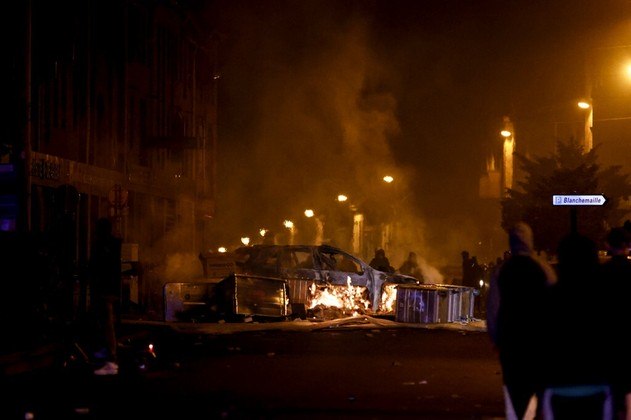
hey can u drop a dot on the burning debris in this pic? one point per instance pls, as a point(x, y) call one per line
point(388, 298)
point(280, 281)
point(333, 301)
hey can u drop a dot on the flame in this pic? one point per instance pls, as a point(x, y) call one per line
point(347, 298)
point(388, 298)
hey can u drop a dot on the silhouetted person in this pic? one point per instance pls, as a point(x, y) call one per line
point(410, 267)
point(517, 293)
point(105, 286)
point(616, 280)
point(380, 262)
point(468, 270)
point(576, 374)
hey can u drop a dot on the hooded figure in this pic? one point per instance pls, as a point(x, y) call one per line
point(518, 292)
point(581, 357)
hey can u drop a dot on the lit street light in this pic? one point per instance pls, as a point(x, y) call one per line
point(584, 105)
point(292, 231)
point(319, 226)
point(508, 150)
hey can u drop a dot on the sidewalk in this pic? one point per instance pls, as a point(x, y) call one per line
point(23, 356)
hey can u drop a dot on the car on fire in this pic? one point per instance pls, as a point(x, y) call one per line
point(280, 281)
point(310, 270)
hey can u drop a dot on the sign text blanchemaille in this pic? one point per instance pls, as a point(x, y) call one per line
point(578, 200)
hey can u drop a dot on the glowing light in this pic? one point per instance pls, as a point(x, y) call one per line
point(222, 249)
point(245, 240)
point(351, 298)
point(388, 179)
point(388, 298)
point(309, 213)
point(481, 283)
point(627, 71)
point(288, 224)
point(262, 232)
point(506, 133)
point(584, 105)
point(342, 198)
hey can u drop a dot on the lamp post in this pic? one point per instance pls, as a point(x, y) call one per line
point(292, 230)
point(508, 133)
point(606, 68)
point(319, 232)
point(589, 123)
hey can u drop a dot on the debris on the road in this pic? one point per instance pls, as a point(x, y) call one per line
point(363, 321)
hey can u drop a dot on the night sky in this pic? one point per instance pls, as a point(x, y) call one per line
point(317, 96)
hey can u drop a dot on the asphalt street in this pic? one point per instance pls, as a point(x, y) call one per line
point(332, 372)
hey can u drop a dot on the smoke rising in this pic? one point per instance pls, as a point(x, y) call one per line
point(308, 110)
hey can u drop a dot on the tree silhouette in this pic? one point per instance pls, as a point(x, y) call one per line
point(567, 171)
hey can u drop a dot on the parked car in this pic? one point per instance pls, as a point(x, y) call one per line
point(302, 266)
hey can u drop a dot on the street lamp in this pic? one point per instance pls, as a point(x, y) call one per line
point(508, 132)
point(290, 226)
point(583, 105)
point(319, 236)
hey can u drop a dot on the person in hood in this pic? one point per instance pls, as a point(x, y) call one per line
point(616, 279)
point(410, 267)
point(517, 291)
point(381, 262)
point(578, 369)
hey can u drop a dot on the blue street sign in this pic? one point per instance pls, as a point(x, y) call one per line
point(578, 200)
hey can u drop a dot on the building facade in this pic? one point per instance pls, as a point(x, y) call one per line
point(112, 113)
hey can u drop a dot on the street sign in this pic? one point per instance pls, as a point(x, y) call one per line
point(578, 200)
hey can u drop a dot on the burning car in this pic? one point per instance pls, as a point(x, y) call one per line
point(276, 281)
point(322, 275)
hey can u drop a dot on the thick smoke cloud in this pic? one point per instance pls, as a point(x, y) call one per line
point(321, 97)
point(308, 112)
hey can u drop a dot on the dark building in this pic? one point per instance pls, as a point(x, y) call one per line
point(110, 111)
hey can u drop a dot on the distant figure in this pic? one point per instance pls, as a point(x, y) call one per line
point(410, 267)
point(577, 371)
point(105, 286)
point(380, 262)
point(616, 276)
point(468, 275)
point(517, 293)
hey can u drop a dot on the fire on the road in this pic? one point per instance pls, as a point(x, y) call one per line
point(348, 298)
point(388, 298)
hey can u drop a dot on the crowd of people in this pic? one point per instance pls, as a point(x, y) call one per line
point(559, 329)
